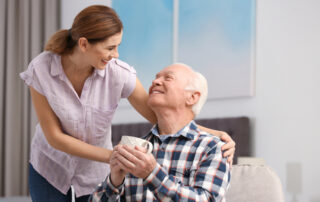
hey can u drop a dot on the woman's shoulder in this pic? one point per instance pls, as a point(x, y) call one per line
point(118, 64)
point(43, 59)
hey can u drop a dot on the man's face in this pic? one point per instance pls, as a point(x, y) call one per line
point(168, 88)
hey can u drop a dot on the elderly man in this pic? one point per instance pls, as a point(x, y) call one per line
point(186, 163)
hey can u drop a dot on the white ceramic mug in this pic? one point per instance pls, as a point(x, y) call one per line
point(135, 141)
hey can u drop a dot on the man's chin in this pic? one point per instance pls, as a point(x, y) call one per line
point(153, 102)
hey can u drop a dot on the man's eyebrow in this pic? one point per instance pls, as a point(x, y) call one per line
point(165, 73)
point(170, 73)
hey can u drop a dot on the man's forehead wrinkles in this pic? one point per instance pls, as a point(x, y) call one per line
point(165, 73)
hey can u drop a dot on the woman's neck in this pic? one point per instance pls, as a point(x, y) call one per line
point(74, 64)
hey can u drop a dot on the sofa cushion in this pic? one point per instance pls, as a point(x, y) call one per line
point(253, 183)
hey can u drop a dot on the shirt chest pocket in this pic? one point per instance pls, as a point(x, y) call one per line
point(184, 176)
point(101, 121)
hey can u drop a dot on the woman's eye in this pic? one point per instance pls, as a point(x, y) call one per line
point(110, 48)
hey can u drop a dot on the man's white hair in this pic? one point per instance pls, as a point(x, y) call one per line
point(197, 82)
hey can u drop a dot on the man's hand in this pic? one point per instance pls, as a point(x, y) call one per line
point(117, 174)
point(135, 161)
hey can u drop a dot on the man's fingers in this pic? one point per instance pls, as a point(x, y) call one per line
point(125, 162)
point(128, 153)
point(137, 152)
point(142, 149)
point(122, 166)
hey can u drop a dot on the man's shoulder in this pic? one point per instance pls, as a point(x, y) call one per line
point(208, 136)
point(210, 139)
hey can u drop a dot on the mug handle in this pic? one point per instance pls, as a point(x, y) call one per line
point(150, 147)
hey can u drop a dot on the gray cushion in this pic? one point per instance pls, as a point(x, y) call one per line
point(252, 183)
point(16, 199)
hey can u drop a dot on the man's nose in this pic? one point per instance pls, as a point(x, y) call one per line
point(156, 82)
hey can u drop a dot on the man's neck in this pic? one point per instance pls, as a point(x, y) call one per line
point(170, 122)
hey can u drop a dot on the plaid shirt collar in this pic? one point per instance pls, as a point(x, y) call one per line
point(185, 131)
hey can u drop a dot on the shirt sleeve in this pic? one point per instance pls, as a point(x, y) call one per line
point(211, 181)
point(31, 78)
point(107, 192)
point(130, 83)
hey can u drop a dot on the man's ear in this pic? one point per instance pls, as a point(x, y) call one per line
point(83, 44)
point(193, 98)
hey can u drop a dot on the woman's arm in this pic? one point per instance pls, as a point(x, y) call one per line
point(138, 99)
point(51, 127)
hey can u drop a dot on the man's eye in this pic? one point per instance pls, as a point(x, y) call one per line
point(168, 78)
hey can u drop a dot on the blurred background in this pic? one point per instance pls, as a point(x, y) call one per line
point(283, 102)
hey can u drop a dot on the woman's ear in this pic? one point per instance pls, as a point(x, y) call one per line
point(83, 44)
point(193, 98)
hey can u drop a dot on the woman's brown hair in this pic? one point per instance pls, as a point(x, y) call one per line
point(95, 23)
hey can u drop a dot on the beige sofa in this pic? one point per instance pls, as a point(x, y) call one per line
point(254, 182)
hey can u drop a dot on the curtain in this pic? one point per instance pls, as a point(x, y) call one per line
point(25, 27)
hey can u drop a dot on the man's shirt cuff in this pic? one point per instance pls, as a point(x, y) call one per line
point(156, 178)
point(112, 190)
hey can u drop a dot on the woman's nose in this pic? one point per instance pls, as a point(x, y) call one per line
point(115, 53)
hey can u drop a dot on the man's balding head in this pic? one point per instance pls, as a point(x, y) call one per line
point(178, 86)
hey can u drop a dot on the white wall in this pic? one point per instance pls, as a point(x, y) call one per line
point(70, 8)
point(285, 112)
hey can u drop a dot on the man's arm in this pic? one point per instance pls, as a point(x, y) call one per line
point(113, 187)
point(211, 179)
point(107, 192)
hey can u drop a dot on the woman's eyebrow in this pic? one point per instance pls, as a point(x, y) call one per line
point(114, 45)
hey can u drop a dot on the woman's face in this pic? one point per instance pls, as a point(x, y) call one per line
point(102, 52)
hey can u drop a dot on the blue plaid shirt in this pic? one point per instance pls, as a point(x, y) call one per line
point(190, 167)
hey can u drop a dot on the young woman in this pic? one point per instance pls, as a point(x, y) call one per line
point(76, 85)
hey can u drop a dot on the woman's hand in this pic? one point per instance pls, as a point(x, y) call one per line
point(117, 175)
point(229, 148)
